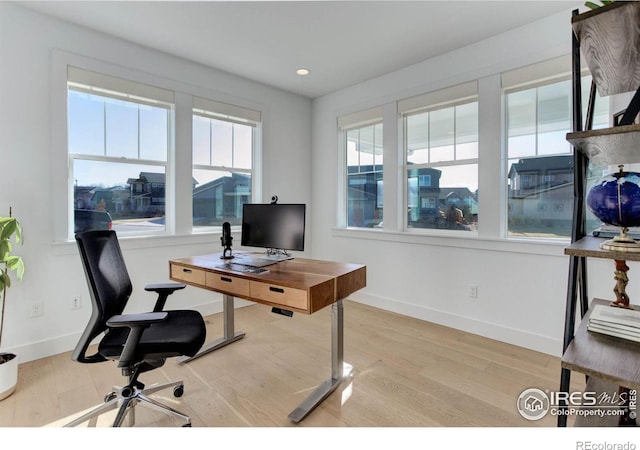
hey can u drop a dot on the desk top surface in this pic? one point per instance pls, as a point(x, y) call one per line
point(297, 272)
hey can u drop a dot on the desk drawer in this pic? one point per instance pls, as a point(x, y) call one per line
point(228, 283)
point(187, 274)
point(285, 296)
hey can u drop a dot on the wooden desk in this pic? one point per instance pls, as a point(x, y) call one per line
point(298, 285)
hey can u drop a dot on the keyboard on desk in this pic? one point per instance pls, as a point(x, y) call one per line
point(241, 268)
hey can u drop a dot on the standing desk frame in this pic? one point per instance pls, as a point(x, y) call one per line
point(314, 285)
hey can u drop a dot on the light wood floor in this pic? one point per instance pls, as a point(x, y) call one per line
point(407, 373)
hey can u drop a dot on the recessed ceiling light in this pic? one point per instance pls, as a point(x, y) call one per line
point(303, 71)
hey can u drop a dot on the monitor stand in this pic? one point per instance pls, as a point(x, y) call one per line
point(262, 259)
point(274, 254)
point(276, 257)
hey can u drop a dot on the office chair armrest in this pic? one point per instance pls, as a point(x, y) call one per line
point(137, 323)
point(164, 287)
point(163, 290)
point(136, 320)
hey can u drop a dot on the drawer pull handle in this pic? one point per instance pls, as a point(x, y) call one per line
point(186, 270)
point(276, 289)
point(228, 280)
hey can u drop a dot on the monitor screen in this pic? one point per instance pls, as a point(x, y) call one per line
point(275, 226)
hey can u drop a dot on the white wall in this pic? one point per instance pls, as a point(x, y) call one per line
point(53, 271)
point(521, 285)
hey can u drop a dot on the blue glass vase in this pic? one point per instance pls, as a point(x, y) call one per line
point(615, 200)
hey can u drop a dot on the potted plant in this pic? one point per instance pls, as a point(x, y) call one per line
point(10, 230)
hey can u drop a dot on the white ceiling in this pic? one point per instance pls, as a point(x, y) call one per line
point(341, 42)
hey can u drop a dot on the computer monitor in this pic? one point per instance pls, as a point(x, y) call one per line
point(273, 226)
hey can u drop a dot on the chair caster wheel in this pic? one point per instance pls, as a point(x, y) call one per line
point(178, 391)
point(110, 396)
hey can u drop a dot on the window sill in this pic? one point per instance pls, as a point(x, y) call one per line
point(143, 242)
point(467, 240)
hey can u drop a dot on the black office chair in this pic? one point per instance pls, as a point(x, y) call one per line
point(139, 342)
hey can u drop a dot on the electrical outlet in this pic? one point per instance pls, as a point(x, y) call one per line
point(37, 309)
point(473, 291)
point(76, 302)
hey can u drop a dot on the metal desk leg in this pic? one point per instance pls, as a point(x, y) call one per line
point(339, 369)
point(229, 334)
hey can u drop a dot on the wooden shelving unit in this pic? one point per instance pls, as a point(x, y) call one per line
point(610, 363)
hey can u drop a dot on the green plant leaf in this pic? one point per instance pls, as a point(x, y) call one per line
point(5, 249)
point(8, 228)
point(15, 263)
point(4, 279)
point(594, 5)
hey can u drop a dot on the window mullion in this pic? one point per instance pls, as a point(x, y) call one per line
point(359, 152)
point(429, 136)
point(455, 132)
point(104, 127)
point(139, 141)
point(537, 115)
point(210, 143)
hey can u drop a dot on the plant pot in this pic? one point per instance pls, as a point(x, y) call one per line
point(8, 374)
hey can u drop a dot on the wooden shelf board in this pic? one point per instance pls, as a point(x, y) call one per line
point(616, 145)
point(608, 358)
point(589, 246)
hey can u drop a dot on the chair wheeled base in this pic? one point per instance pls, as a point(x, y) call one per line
point(135, 393)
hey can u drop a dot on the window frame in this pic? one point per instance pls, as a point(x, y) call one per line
point(178, 213)
point(129, 97)
point(234, 115)
point(438, 100)
point(347, 124)
point(537, 76)
point(492, 164)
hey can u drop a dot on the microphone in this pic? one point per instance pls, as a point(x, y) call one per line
point(226, 239)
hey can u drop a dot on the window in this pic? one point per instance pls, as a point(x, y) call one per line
point(364, 176)
point(540, 160)
point(223, 154)
point(119, 133)
point(363, 161)
point(441, 159)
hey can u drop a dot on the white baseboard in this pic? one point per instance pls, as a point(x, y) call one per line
point(544, 344)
